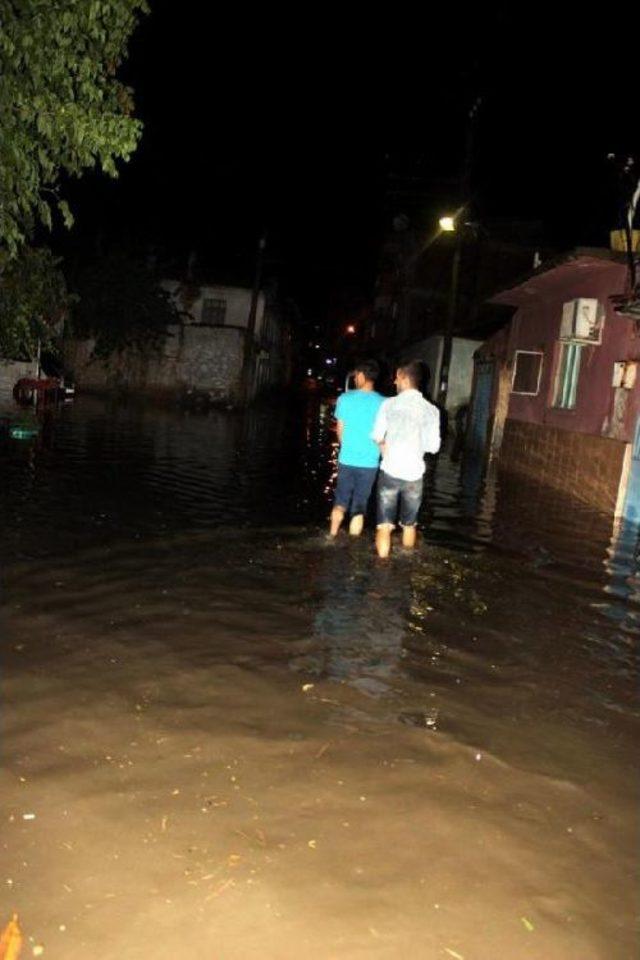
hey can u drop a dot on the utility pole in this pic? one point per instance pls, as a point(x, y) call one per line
point(465, 189)
point(246, 378)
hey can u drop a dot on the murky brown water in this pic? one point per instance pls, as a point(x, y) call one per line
point(224, 739)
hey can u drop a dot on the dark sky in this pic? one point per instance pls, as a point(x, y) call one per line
point(293, 119)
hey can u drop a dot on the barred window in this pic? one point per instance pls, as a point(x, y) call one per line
point(213, 311)
point(566, 386)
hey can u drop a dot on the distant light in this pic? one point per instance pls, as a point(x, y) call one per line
point(447, 224)
point(317, 346)
point(329, 361)
point(309, 372)
point(351, 328)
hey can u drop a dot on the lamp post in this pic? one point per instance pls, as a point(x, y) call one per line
point(450, 224)
point(249, 343)
point(454, 224)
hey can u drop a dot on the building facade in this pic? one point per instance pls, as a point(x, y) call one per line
point(556, 397)
point(203, 356)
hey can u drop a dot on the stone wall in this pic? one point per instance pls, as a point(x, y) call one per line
point(192, 359)
point(577, 466)
point(12, 370)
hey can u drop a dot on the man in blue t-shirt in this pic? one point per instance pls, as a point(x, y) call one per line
point(359, 456)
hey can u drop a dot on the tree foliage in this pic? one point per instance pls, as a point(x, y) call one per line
point(33, 302)
point(121, 305)
point(62, 108)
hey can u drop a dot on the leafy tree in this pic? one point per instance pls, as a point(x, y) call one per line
point(33, 302)
point(62, 108)
point(121, 304)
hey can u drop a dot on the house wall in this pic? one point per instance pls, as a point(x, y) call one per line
point(536, 326)
point(429, 351)
point(195, 358)
point(237, 299)
point(461, 372)
point(461, 368)
point(582, 453)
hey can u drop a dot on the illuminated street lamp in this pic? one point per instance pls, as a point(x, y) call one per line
point(447, 224)
point(350, 329)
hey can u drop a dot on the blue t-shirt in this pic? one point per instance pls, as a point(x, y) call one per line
point(357, 410)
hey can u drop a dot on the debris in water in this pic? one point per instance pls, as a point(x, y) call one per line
point(452, 953)
point(527, 924)
point(28, 816)
point(307, 686)
point(420, 718)
point(312, 843)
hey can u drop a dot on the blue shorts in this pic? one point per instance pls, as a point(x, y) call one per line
point(403, 494)
point(353, 488)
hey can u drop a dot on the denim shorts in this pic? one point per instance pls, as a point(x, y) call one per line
point(354, 488)
point(403, 494)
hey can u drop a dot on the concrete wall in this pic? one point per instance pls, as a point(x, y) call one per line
point(461, 368)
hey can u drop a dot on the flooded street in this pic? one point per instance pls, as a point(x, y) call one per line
point(225, 738)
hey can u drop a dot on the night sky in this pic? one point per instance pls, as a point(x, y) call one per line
point(295, 120)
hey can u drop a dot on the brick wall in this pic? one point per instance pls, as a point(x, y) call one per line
point(579, 466)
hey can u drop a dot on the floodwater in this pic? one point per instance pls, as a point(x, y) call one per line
point(223, 738)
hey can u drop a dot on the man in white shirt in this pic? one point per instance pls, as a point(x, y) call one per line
point(406, 427)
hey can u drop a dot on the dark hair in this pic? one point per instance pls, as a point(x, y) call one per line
point(369, 368)
point(413, 371)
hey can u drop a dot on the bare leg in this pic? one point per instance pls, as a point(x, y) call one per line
point(383, 541)
point(356, 525)
point(337, 516)
point(409, 536)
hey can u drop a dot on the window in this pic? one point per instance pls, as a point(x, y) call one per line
point(566, 387)
point(213, 311)
point(526, 372)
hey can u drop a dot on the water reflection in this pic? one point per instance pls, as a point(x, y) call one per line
point(360, 622)
point(100, 470)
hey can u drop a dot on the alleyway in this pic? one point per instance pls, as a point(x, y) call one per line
point(224, 739)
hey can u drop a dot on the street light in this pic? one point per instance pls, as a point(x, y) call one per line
point(351, 329)
point(448, 224)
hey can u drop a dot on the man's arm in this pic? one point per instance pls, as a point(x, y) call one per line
point(431, 431)
point(380, 427)
point(338, 414)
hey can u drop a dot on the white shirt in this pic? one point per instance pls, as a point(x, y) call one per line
point(410, 427)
